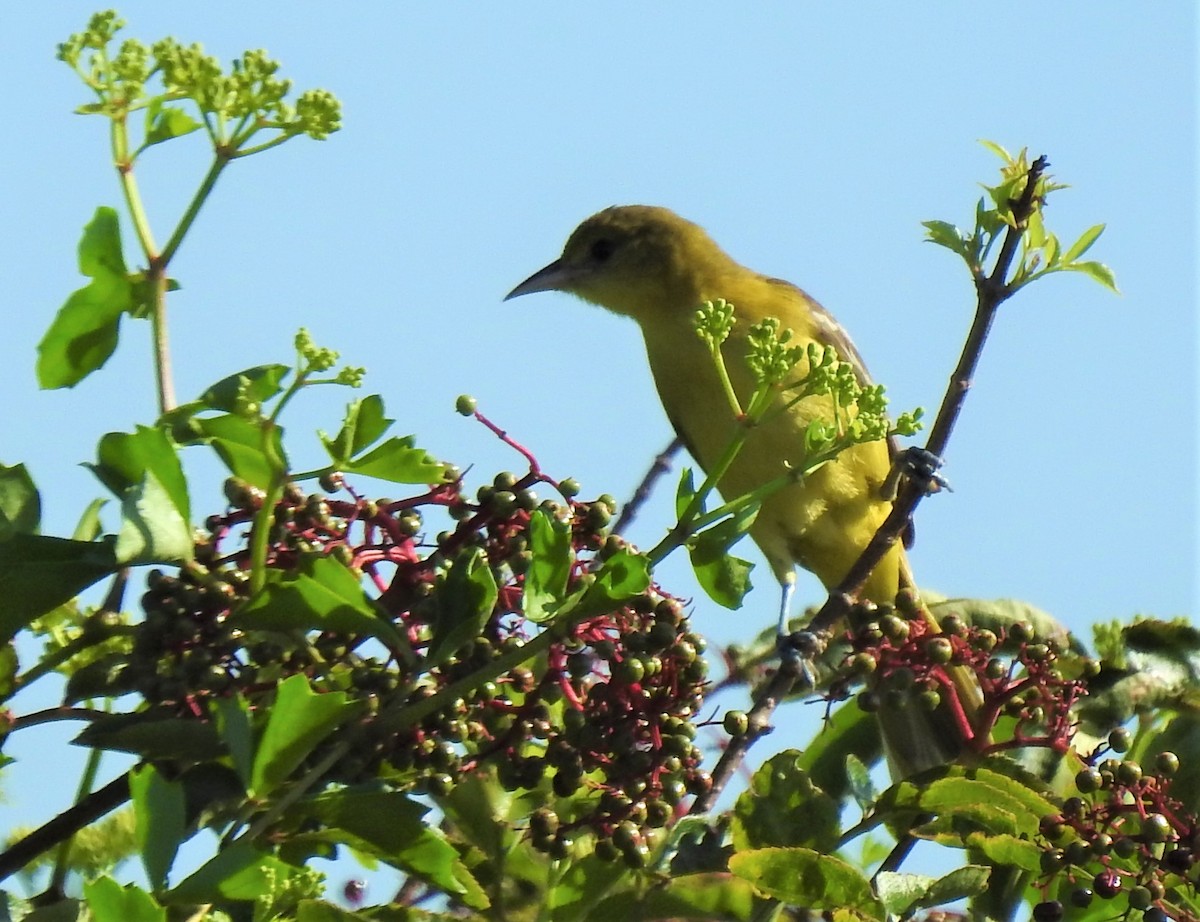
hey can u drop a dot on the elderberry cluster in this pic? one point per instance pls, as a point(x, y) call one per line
point(1123, 836)
point(602, 718)
point(1027, 679)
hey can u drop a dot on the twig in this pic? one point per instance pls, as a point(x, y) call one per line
point(65, 825)
point(660, 466)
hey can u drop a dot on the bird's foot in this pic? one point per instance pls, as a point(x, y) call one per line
point(797, 651)
point(923, 468)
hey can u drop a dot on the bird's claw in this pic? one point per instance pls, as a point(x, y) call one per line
point(797, 651)
point(923, 467)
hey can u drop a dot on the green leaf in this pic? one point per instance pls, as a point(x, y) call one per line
point(996, 149)
point(84, 332)
point(158, 805)
point(1009, 850)
point(110, 902)
point(724, 577)
point(124, 459)
point(709, 895)
point(152, 529)
point(1098, 271)
point(903, 894)
point(105, 677)
point(363, 424)
point(88, 528)
point(165, 122)
point(39, 573)
point(808, 878)
point(238, 441)
point(20, 504)
point(967, 800)
point(621, 577)
point(144, 472)
point(391, 826)
point(236, 732)
point(685, 492)
point(100, 247)
point(299, 720)
point(550, 563)
point(1084, 243)
point(153, 734)
point(465, 599)
point(258, 384)
point(397, 461)
point(862, 788)
point(239, 872)
point(783, 807)
point(945, 234)
point(320, 594)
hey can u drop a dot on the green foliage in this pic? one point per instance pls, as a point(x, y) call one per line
point(490, 693)
point(1040, 252)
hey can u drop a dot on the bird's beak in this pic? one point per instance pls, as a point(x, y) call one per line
point(554, 277)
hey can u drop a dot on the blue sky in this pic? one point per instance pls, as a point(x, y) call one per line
point(811, 140)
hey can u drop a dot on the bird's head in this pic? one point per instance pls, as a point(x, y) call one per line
point(638, 260)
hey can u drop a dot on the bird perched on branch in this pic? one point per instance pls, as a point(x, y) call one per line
point(650, 264)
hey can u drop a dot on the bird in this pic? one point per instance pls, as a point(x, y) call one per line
point(648, 263)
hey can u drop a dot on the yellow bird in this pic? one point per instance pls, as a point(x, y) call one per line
point(652, 265)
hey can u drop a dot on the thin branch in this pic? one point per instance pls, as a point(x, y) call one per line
point(657, 469)
point(65, 825)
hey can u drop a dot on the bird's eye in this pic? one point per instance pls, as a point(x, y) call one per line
point(601, 250)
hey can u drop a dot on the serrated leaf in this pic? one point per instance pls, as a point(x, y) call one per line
point(782, 807)
point(808, 878)
point(39, 573)
point(945, 234)
point(398, 461)
point(319, 594)
point(1084, 243)
point(551, 557)
point(465, 599)
point(709, 895)
point(158, 805)
point(1006, 849)
point(20, 504)
point(362, 425)
point(299, 720)
point(1098, 271)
